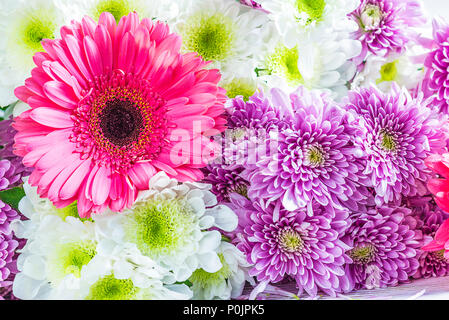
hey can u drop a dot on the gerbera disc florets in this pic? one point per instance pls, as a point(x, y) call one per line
point(123, 120)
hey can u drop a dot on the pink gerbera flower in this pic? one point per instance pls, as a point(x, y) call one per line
point(112, 105)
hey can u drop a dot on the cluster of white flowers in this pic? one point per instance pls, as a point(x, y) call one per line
point(167, 246)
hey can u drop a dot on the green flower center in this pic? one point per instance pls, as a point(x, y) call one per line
point(439, 255)
point(313, 8)
point(240, 87)
point(110, 288)
point(315, 156)
point(363, 254)
point(290, 240)
point(38, 26)
point(371, 17)
point(212, 37)
point(70, 211)
point(159, 226)
point(205, 279)
point(118, 8)
point(241, 189)
point(388, 142)
point(237, 134)
point(284, 63)
point(70, 257)
point(388, 72)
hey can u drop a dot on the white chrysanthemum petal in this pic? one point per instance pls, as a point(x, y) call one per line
point(34, 267)
point(209, 242)
point(26, 288)
point(228, 281)
point(225, 218)
point(210, 262)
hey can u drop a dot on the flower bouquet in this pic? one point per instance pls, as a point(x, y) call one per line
point(221, 149)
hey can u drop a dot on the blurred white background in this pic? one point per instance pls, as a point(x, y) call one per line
point(438, 7)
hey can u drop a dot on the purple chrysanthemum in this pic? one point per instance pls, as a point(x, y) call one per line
point(386, 26)
point(384, 247)
point(306, 249)
point(249, 123)
point(259, 112)
point(312, 158)
point(436, 83)
point(7, 133)
point(397, 134)
point(225, 180)
point(430, 216)
point(8, 243)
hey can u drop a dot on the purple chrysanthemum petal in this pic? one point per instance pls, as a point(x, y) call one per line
point(397, 134)
point(7, 133)
point(249, 124)
point(430, 217)
point(252, 4)
point(436, 83)
point(8, 243)
point(225, 180)
point(384, 248)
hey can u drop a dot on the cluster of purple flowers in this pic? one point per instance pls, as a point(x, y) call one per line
point(11, 173)
point(326, 201)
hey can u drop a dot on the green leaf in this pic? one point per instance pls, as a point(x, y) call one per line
point(224, 238)
point(12, 196)
point(6, 112)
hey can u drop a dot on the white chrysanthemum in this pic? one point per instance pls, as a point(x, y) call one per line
point(53, 256)
point(226, 283)
point(383, 72)
point(317, 63)
point(310, 45)
point(296, 19)
point(169, 223)
point(120, 272)
point(244, 84)
point(223, 31)
point(161, 9)
point(23, 24)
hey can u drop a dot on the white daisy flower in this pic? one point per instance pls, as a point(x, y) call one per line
point(242, 85)
point(317, 63)
point(226, 283)
point(161, 9)
point(296, 19)
point(310, 45)
point(223, 31)
point(383, 72)
point(169, 223)
point(53, 256)
point(120, 272)
point(23, 24)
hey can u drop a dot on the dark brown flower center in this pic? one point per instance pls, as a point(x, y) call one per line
point(121, 122)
